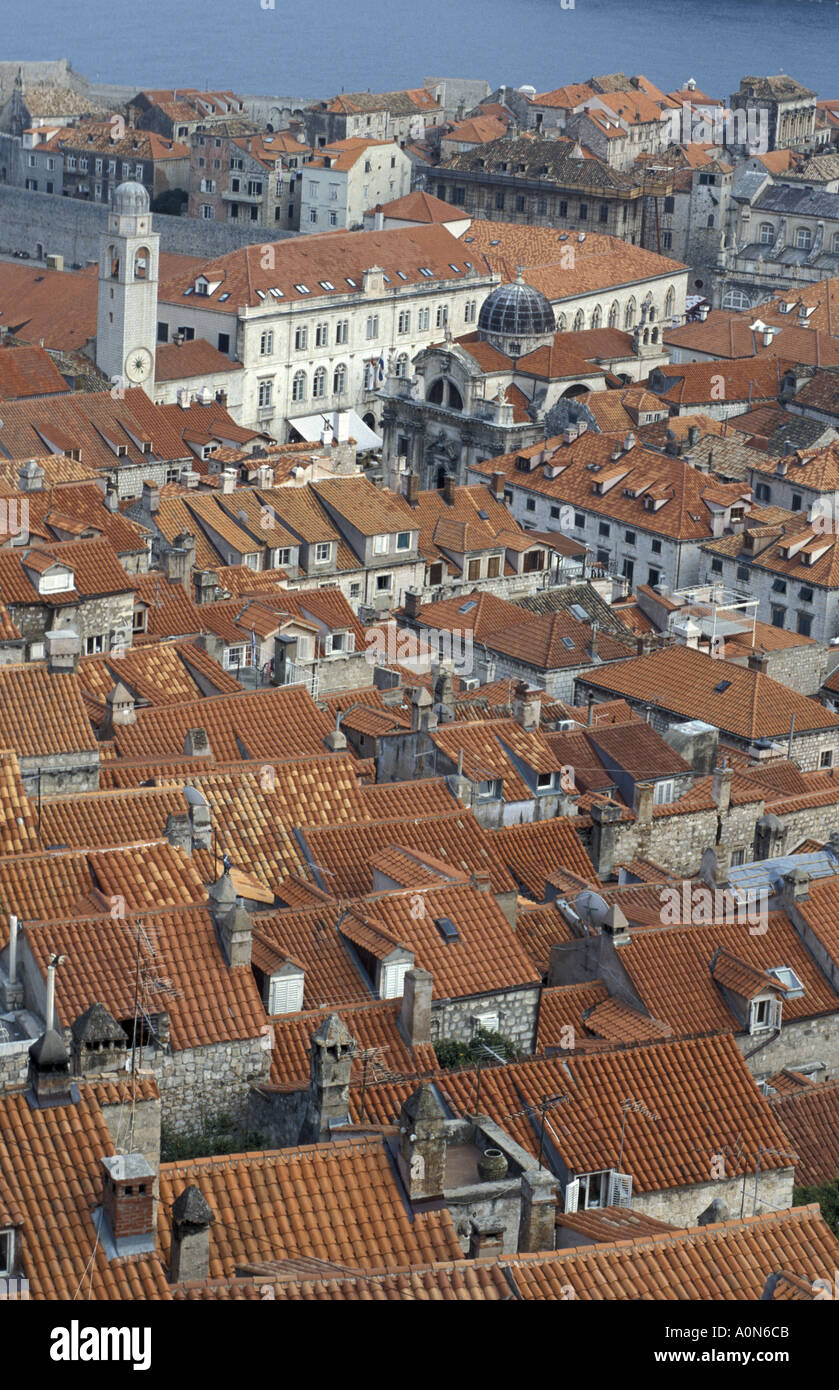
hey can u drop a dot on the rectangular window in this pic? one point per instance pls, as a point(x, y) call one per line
point(342, 331)
point(92, 645)
point(423, 320)
point(656, 547)
point(716, 566)
point(266, 344)
point(7, 1251)
point(499, 202)
point(604, 529)
point(779, 616)
point(629, 537)
point(383, 583)
point(826, 758)
point(795, 502)
point(805, 594)
point(380, 545)
point(664, 791)
point(403, 324)
point(301, 338)
point(493, 566)
point(583, 212)
point(372, 327)
point(265, 393)
point(224, 342)
point(323, 552)
point(442, 315)
point(530, 505)
point(579, 521)
point(653, 576)
point(321, 334)
point(403, 540)
point(474, 569)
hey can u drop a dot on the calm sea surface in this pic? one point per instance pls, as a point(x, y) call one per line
point(317, 47)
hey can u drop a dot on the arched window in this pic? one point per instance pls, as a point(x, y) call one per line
point(579, 321)
point(650, 312)
point(319, 383)
point(402, 365)
point(670, 303)
point(113, 261)
point(614, 312)
point(339, 380)
point(142, 262)
point(646, 335)
point(436, 392)
point(298, 387)
point(597, 317)
point(736, 299)
point(654, 336)
point(766, 234)
point(455, 401)
point(803, 238)
point(629, 314)
point(561, 323)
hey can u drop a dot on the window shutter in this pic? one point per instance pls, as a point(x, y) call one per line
point(572, 1194)
point(286, 995)
point(620, 1189)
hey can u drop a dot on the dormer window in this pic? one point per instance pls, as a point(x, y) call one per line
point(764, 1014)
point(285, 990)
point(56, 580)
point(664, 792)
point(787, 977)
point(544, 781)
point(7, 1252)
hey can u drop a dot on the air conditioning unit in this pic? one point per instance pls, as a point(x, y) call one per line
point(471, 683)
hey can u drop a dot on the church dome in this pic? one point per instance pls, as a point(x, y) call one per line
point(131, 200)
point(517, 310)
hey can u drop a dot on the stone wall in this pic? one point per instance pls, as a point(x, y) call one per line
point(71, 228)
point(199, 1083)
point(799, 1044)
point(58, 773)
point(278, 1115)
point(683, 1205)
point(517, 1011)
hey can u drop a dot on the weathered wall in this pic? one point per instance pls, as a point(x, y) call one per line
point(201, 1082)
point(71, 228)
point(683, 1205)
point(799, 1044)
point(517, 1011)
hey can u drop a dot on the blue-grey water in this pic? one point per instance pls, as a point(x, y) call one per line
point(319, 46)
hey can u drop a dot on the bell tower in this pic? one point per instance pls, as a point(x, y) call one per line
point(126, 326)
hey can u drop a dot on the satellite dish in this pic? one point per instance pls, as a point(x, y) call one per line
point(194, 797)
point(591, 908)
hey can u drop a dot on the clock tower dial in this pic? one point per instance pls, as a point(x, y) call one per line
point(138, 364)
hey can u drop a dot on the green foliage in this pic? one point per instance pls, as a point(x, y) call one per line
point(219, 1135)
point(827, 1196)
point(451, 1054)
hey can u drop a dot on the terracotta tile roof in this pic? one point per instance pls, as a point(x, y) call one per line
point(729, 1260)
point(540, 928)
point(339, 1202)
point(599, 262)
point(697, 383)
point(51, 1175)
point(486, 957)
point(420, 207)
point(278, 722)
point(29, 371)
point(195, 357)
point(342, 852)
point(700, 1091)
point(684, 681)
point(18, 820)
point(569, 97)
point(787, 1083)
point(810, 1117)
point(670, 969)
point(54, 305)
point(171, 610)
point(331, 257)
point(561, 1012)
point(308, 936)
point(533, 850)
point(727, 335)
point(463, 1283)
point(370, 510)
point(208, 1003)
point(373, 1025)
point(617, 490)
point(42, 713)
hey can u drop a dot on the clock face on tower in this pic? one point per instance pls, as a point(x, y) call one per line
point(138, 364)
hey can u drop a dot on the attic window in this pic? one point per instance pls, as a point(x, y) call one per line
point(722, 687)
point(188, 291)
point(326, 285)
point(453, 267)
point(386, 279)
point(261, 294)
point(285, 995)
point(401, 274)
point(424, 270)
point(302, 289)
point(352, 284)
point(579, 613)
point(787, 976)
point(447, 929)
point(467, 607)
point(7, 1252)
point(278, 294)
point(223, 297)
point(568, 642)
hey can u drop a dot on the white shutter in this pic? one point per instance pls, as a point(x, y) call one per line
point(572, 1194)
point(620, 1189)
point(286, 995)
point(392, 980)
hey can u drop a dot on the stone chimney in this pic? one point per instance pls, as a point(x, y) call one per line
point(336, 739)
point(30, 476)
point(448, 489)
point(496, 486)
point(721, 788)
point(63, 650)
point(413, 602)
point(423, 717)
point(197, 744)
point(98, 1043)
point(151, 497)
point(422, 1144)
point(758, 661)
point(412, 488)
point(179, 559)
point(12, 994)
point(119, 708)
point(415, 1013)
point(527, 706)
point(128, 1200)
point(332, 1051)
point(235, 933)
point(538, 1210)
point(444, 694)
point(206, 586)
point(605, 818)
point(642, 802)
point(192, 1217)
